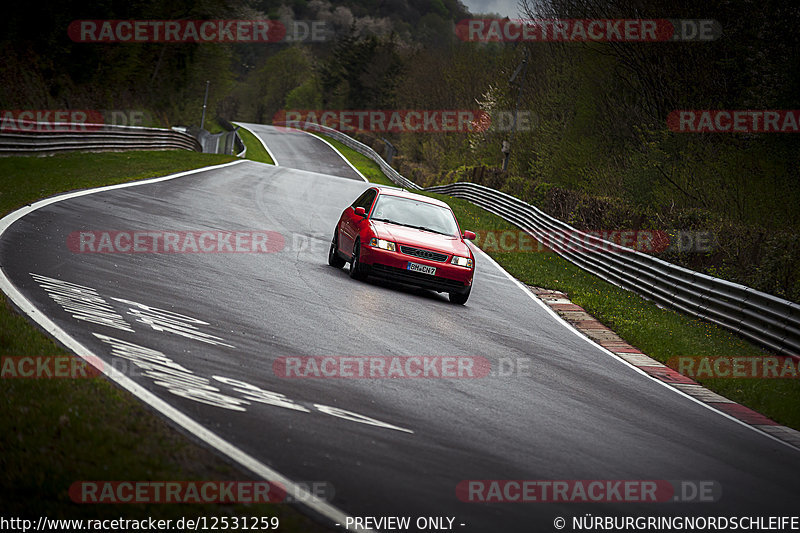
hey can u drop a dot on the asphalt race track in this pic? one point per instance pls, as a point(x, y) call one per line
point(300, 150)
point(401, 446)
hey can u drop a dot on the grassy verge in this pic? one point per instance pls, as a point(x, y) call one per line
point(54, 432)
point(660, 333)
point(255, 150)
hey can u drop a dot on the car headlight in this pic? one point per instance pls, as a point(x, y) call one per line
point(461, 261)
point(383, 245)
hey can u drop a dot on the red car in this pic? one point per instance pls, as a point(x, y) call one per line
point(407, 238)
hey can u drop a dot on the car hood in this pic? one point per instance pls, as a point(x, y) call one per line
point(423, 239)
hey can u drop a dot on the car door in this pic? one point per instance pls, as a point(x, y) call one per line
point(351, 223)
point(359, 222)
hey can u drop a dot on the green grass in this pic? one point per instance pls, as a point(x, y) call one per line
point(54, 432)
point(26, 179)
point(660, 333)
point(255, 150)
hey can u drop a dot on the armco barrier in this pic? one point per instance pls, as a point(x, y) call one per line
point(226, 142)
point(233, 143)
point(93, 137)
point(760, 317)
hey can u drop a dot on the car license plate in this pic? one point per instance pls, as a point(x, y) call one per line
point(425, 269)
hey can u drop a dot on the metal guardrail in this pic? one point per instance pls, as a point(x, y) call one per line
point(56, 138)
point(238, 144)
point(760, 317)
point(233, 143)
point(359, 147)
point(225, 142)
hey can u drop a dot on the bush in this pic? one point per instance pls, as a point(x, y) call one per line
point(518, 187)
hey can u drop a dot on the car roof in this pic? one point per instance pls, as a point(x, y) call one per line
point(403, 193)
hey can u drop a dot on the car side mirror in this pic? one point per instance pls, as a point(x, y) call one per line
point(469, 235)
point(360, 212)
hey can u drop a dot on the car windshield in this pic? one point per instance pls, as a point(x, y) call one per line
point(415, 214)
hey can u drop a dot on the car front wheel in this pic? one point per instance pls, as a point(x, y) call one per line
point(357, 269)
point(460, 297)
point(334, 259)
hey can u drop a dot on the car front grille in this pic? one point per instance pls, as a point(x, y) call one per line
point(423, 254)
point(416, 278)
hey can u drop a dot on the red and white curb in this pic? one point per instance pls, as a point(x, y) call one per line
point(602, 335)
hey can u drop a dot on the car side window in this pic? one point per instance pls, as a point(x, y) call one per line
point(368, 199)
point(360, 200)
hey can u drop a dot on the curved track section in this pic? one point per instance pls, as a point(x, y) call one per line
point(297, 149)
point(214, 323)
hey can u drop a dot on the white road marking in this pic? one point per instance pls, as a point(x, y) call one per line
point(83, 303)
point(274, 159)
point(166, 373)
point(170, 322)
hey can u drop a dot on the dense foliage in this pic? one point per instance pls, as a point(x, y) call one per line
point(598, 152)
